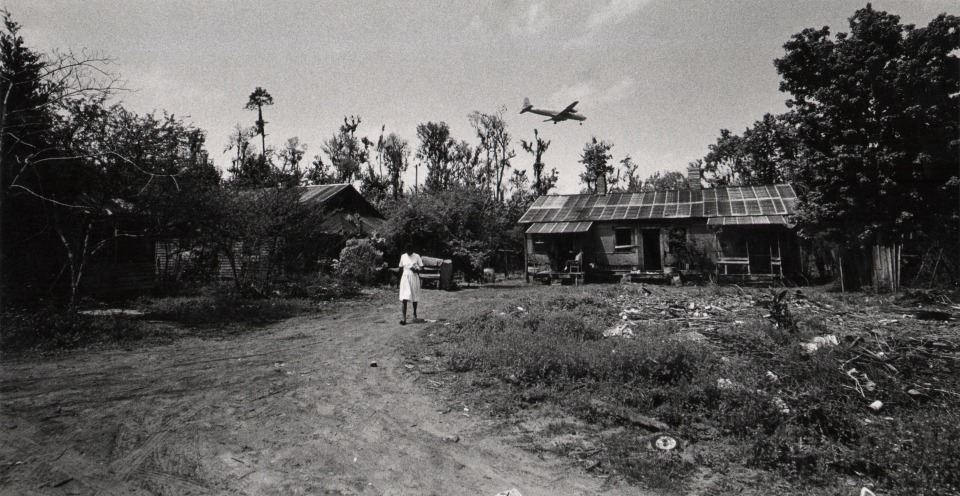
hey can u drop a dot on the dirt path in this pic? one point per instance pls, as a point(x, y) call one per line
point(292, 409)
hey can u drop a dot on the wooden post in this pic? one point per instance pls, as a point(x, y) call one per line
point(899, 249)
point(526, 268)
point(840, 264)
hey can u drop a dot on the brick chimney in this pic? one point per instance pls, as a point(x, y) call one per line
point(694, 175)
point(602, 184)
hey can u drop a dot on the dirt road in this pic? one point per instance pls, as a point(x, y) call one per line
point(294, 408)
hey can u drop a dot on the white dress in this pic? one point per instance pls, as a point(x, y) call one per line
point(409, 280)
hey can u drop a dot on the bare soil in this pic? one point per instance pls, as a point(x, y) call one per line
point(292, 408)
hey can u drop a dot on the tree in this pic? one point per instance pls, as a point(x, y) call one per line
point(346, 153)
point(597, 174)
point(876, 111)
point(292, 154)
point(491, 129)
point(541, 184)
point(135, 176)
point(663, 181)
point(246, 168)
point(259, 99)
point(766, 153)
point(435, 152)
point(41, 180)
point(396, 153)
point(627, 176)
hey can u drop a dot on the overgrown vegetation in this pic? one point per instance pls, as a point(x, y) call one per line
point(52, 329)
point(740, 394)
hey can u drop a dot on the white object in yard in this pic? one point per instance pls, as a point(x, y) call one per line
point(781, 406)
point(876, 405)
point(820, 342)
point(665, 443)
point(620, 331)
point(724, 384)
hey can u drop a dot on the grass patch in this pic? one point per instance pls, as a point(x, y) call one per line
point(730, 383)
point(221, 309)
point(54, 329)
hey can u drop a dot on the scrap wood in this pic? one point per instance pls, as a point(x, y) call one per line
point(622, 413)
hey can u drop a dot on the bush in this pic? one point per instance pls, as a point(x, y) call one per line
point(360, 261)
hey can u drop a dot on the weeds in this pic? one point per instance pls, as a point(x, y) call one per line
point(53, 329)
point(746, 388)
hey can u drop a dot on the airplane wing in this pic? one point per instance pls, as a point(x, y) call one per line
point(565, 113)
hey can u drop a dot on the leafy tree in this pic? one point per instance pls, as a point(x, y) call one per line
point(663, 181)
point(346, 153)
point(291, 155)
point(246, 168)
point(257, 100)
point(465, 162)
point(876, 111)
point(491, 129)
point(41, 181)
point(435, 150)
point(149, 172)
point(463, 224)
point(627, 176)
point(542, 184)
point(597, 174)
point(766, 153)
point(396, 154)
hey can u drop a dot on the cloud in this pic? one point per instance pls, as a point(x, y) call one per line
point(614, 12)
point(611, 13)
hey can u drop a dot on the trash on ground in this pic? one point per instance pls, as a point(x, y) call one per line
point(820, 342)
point(665, 443)
point(620, 331)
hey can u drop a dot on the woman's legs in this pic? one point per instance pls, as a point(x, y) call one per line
point(414, 311)
point(403, 306)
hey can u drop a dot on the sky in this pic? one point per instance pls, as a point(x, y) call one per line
point(657, 78)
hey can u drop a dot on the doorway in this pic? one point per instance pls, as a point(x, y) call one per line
point(650, 242)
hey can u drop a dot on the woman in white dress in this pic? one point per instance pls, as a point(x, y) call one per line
point(410, 264)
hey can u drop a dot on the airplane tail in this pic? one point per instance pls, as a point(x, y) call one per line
point(526, 105)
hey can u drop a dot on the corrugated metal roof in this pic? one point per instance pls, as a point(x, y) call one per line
point(733, 201)
point(559, 227)
point(322, 192)
point(750, 220)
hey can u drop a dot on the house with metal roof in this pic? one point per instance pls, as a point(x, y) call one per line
point(346, 213)
point(736, 233)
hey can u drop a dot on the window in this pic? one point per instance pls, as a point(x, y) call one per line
point(540, 246)
point(623, 239)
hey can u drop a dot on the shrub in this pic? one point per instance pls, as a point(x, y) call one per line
point(360, 261)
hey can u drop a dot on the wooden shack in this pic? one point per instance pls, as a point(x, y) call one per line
point(742, 233)
point(347, 212)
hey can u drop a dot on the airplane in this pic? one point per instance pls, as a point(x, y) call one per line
point(567, 113)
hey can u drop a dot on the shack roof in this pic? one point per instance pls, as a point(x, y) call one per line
point(757, 203)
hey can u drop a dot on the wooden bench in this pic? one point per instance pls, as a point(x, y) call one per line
point(436, 273)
